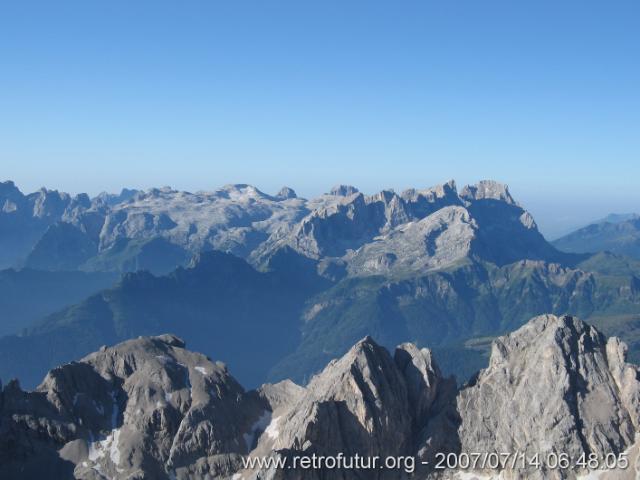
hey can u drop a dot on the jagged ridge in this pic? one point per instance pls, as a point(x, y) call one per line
point(151, 409)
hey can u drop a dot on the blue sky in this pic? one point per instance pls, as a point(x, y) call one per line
point(543, 95)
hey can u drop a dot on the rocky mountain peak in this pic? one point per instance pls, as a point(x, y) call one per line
point(559, 382)
point(422, 376)
point(286, 193)
point(49, 203)
point(554, 385)
point(216, 260)
point(8, 188)
point(356, 405)
point(243, 220)
point(112, 199)
point(238, 190)
point(11, 198)
point(488, 190)
point(343, 190)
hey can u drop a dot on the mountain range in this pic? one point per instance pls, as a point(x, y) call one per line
point(239, 273)
point(112, 233)
point(619, 234)
point(28, 295)
point(555, 390)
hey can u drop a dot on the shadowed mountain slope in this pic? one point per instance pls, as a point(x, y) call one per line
point(219, 304)
point(150, 408)
point(616, 234)
point(440, 267)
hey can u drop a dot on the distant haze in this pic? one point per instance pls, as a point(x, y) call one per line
point(541, 95)
point(556, 212)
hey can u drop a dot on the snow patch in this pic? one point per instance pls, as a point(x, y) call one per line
point(256, 429)
point(202, 370)
point(272, 429)
point(99, 449)
point(114, 452)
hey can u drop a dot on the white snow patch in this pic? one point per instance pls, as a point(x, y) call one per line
point(272, 429)
point(95, 451)
point(114, 453)
point(256, 429)
point(202, 370)
point(99, 449)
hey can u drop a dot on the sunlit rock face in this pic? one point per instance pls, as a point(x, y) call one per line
point(149, 408)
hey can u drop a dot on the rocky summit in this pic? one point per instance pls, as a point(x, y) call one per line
point(54, 231)
point(150, 409)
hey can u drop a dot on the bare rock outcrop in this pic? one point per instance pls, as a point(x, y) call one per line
point(150, 409)
point(556, 385)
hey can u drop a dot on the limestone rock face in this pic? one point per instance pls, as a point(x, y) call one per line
point(554, 385)
point(365, 391)
point(427, 388)
point(397, 234)
point(343, 190)
point(487, 190)
point(366, 403)
point(150, 409)
point(345, 230)
point(431, 400)
point(24, 218)
point(437, 240)
point(146, 408)
point(285, 193)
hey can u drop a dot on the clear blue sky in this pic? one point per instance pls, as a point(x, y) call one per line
point(543, 95)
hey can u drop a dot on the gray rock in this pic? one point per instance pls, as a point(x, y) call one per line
point(619, 234)
point(554, 385)
point(333, 229)
point(148, 408)
point(24, 218)
point(343, 190)
point(357, 405)
point(286, 193)
point(487, 190)
point(436, 228)
point(434, 242)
